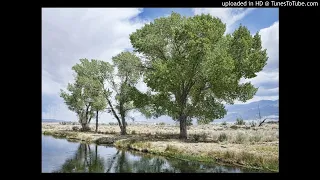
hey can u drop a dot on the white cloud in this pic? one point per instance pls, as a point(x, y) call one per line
point(49, 86)
point(270, 41)
point(268, 92)
point(268, 79)
point(69, 34)
point(229, 16)
point(58, 110)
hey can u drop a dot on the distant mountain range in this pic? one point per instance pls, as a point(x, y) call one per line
point(250, 111)
point(51, 120)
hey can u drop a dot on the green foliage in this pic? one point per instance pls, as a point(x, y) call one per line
point(196, 137)
point(239, 121)
point(96, 81)
point(127, 96)
point(189, 122)
point(86, 95)
point(194, 67)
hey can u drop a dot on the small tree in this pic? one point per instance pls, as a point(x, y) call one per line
point(240, 121)
point(79, 99)
point(124, 91)
point(90, 74)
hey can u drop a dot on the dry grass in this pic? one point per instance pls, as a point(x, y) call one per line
point(210, 133)
point(263, 156)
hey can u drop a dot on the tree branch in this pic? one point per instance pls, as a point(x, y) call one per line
point(206, 88)
point(145, 67)
point(262, 122)
point(162, 53)
point(114, 112)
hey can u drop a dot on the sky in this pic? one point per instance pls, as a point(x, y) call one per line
point(69, 34)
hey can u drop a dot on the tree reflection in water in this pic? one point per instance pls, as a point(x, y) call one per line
point(85, 160)
point(88, 160)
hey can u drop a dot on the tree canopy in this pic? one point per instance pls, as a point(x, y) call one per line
point(86, 94)
point(194, 67)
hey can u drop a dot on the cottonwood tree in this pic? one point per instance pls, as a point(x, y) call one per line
point(118, 87)
point(83, 99)
point(86, 96)
point(194, 67)
point(123, 88)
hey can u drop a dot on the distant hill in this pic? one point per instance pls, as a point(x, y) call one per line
point(51, 120)
point(250, 111)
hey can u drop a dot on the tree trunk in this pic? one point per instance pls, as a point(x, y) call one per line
point(123, 120)
point(183, 127)
point(96, 152)
point(85, 127)
point(123, 127)
point(97, 121)
point(114, 113)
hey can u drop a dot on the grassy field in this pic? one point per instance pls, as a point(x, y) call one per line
point(241, 145)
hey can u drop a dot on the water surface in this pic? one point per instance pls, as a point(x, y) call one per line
point(62, 156)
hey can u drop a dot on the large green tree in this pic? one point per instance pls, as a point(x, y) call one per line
point(194, 67)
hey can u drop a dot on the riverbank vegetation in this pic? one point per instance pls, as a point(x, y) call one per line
point(254, 147)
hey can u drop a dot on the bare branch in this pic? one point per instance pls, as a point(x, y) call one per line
point(262, 122)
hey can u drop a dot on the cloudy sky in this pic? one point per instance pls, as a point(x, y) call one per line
point(69, 34)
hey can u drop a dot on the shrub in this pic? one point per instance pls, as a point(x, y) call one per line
point(85, 129)
point(203, 136)
point(240, 138)
point(253, 124)
point(229, 154)
point(63, 123)
point(162, 124)
point(255, 138)
point(269, 138)
point(222, 137)
point(234, 127)
point(246, 157)
point(196, 137)
point(240, 121)
point(133, 132)
point(75, 128)
point(224, 123)
point(172, 149)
